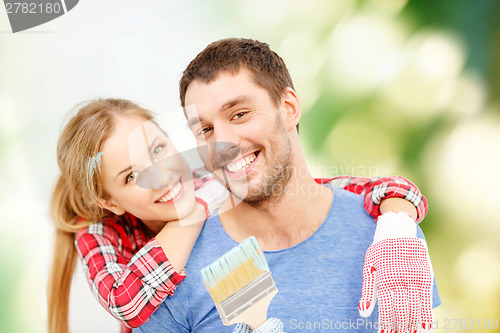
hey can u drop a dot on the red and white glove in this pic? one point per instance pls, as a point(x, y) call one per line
point(272, 325)
point(211, 195)
point(399, 273)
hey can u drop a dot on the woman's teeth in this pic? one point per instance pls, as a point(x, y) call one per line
point(174, 191)
point(241, 164)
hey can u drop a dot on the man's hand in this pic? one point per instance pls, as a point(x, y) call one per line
point(272, 325)
point(398, 272)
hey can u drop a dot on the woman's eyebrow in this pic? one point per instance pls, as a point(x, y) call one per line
point(153, 143)
point(124, 170)
point(129, 168)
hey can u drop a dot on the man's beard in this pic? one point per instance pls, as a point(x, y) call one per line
point(275, 180)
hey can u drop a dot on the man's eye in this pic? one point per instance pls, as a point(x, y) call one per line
point(205, 130)
point(131, 176)
point(238, 115)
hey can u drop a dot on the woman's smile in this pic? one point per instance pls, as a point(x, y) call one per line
point(173, 194)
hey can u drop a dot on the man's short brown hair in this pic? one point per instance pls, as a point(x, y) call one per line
point(230, 54)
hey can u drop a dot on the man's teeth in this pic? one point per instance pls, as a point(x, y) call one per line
point(241, 164)
point(172, 193)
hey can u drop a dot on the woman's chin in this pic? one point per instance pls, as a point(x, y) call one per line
point(184, 207)
point(183, 213)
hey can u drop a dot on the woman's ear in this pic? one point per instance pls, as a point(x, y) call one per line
point(293, 111)
point(110, 205)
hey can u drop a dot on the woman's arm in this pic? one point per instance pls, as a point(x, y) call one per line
point(177, 238)
point(129, 286)
point(379, 193)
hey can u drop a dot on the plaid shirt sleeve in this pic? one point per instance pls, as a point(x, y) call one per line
point(129, 286)
point(376, 189)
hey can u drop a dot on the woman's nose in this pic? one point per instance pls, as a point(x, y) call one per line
point(155, 177)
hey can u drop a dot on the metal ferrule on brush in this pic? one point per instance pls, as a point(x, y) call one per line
point(246, 297)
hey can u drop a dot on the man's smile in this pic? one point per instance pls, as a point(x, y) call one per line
point(243, 165)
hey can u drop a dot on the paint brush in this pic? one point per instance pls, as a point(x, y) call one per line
point(241, 285)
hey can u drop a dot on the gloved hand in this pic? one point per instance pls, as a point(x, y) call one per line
point(398, 272)
point(212, 194)
point(272, 325)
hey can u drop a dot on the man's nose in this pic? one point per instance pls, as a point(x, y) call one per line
point(222, 148)
point(225, 132)
point(216, 155)
point(223, 153)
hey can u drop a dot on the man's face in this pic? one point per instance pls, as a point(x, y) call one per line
point(233, 108)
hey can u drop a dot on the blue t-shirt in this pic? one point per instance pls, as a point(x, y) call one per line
point(319, 280)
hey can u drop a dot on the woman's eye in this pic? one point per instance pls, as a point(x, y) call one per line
point(158, 149)
point(131, 176)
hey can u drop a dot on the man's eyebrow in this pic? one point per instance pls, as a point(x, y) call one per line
point(235, 101)
point(229, 104)
point(193, 121)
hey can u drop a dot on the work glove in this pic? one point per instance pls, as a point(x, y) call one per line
point(211, 195)
point(398, 272)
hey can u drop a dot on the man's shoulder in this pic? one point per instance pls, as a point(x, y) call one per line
point(348, 212)
point(213, 218)
point(211, 229)
point(212, 242)
point(344, 197)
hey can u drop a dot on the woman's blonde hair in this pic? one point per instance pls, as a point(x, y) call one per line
point(75, 195)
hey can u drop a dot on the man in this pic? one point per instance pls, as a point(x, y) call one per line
point(314, 237)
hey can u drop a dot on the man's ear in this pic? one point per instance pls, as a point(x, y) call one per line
point(293, 111)
point(110, 205)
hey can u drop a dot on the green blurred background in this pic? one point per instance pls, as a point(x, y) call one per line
point(387, 87)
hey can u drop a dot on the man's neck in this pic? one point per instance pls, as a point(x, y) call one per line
point(282, 223)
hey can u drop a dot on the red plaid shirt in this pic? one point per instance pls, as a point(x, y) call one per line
point(131, 276)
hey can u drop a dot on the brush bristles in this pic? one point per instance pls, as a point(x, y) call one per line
point(234, 281)
point(234, 270)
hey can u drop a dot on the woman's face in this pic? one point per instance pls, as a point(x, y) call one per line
point(138, 146)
